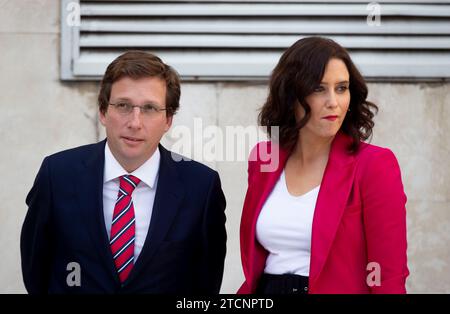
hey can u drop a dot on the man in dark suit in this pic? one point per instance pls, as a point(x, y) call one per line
point(126, 215)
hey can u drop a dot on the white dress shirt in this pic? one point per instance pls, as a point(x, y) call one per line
point(143, 195)
point(284, 229)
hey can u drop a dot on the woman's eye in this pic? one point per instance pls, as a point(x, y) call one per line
point(342, 88)
point(318, 89)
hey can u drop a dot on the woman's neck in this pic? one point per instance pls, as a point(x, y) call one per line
point(310, 149)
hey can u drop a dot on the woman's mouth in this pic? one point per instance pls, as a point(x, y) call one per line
point(330, 118)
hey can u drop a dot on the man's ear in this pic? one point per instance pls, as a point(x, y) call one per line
point(102, 117)
point(168, 122)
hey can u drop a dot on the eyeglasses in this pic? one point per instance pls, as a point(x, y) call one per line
point(126, 108)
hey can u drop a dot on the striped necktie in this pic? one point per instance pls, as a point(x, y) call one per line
point(123, 228)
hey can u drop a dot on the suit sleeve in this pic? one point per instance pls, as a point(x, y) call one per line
point(384, 215)
point(214, 239)
point(35, 240)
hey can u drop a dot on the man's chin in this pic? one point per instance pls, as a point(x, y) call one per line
point(136, 155)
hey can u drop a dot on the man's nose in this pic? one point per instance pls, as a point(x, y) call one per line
point(135, 118)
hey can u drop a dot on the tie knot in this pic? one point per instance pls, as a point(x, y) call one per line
point(128, 183)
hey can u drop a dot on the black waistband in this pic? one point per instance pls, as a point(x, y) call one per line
point(282, 284)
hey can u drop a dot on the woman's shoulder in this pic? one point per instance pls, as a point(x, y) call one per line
point(373, 158)
point(264, 150)
point(259, 149)
point(266, 156)
point(369, 151)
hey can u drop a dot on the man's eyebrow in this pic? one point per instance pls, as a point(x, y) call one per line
point(122, 99)
point(149, 102)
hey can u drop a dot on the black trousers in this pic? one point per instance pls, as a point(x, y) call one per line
point(282, 284)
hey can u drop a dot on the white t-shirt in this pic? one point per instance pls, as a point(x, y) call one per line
point(284, 229)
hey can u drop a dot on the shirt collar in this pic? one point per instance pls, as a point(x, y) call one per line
point(147, 172)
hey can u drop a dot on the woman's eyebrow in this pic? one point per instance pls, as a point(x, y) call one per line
point(341, 82)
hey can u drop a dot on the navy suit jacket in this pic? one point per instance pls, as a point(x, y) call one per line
point(184, 250)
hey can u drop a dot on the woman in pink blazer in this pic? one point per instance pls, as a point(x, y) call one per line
point(326, 212)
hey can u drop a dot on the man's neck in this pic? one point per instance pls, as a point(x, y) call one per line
point(131, 165)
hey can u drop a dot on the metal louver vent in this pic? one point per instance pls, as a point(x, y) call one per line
point(243, 40)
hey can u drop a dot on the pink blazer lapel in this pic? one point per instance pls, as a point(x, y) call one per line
point(331, 202)
point(260, 186)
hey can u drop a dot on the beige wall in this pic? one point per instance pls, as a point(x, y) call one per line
point(40, 115)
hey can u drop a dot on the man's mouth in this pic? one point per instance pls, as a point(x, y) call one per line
point(132, 139)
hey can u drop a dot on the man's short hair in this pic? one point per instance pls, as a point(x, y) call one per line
point(139, 64)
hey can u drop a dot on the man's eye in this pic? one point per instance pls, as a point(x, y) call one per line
point(122, 106)
point(149, 108)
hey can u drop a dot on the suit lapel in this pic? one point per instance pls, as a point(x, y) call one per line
point(168, 198)
point(90, 201)
point(332, 199)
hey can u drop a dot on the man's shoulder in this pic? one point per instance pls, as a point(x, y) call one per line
point(189, 167)
point(75, 153)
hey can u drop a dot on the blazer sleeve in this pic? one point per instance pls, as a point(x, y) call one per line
point(255, 160)
point(214, 239)
point(35, 239)
point(384, 214)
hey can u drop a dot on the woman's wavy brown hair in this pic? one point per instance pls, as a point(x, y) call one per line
point(298, 72)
